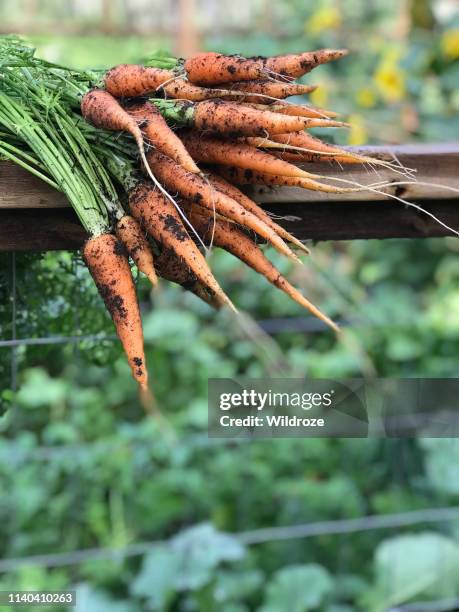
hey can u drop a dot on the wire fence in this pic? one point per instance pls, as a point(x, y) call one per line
point(248, 538)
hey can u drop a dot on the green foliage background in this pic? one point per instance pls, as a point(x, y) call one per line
point(81, 466)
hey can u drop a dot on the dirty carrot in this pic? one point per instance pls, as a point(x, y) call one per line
point(211, 150)
point(106, 259)
point(233, 192)
point(156, 132)
point(295, 65)
point(161, 220)
point(196, 189)
point(298, 110)
point(230, 118)
point(171, 268)
point(132, 80)
point(235, 119)
point(182, 89)
point(131, 235)
point(303, 140)
point(214, 68)
point(104, 111)
point(229, 237)
point(268, 88)
point(249, 177)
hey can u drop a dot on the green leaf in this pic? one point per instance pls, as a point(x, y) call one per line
point(298, 588)
point(157, 578)
point(237, 585)
point(187, 562)
point(39, 389)
point(423, 566)
point(92, 600)
point(202, 548)
point(442, 464)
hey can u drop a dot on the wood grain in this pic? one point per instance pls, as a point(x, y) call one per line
point(20, 189)
point(308, 215)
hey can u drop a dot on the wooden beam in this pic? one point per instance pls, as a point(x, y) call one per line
point(309, 215)
point(40, 230)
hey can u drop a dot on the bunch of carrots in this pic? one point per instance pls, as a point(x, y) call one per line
point(152, 156)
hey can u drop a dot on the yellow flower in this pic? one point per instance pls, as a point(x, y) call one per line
point(365, 97)
point(326, 18)
point(450, 44)
point(319, 97)
point(358, 134)
point(390, 80)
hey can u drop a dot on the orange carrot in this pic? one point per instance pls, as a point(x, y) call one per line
point(297, 110)
point(306, 141)
point(131, 80)
point(161, 220)
point(106, 259)
point(104, 111)
point(238, 120)
point(184, 90)
point(171, 268)
point(295, 65)
point(196, 189)
point(268, 88)
point(229, 237)
point(228, 153)
point(295, 154)
point(215, 68)
point(313, 150)
point(249, 177)
point(156, 131)
point(233, 192)
point(131, 235)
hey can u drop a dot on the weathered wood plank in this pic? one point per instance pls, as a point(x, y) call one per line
point(40, 230)
point(435, 163)
point(20, 189)
point(308, 215)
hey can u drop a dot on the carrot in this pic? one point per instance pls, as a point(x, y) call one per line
point(302, 147)
point(214, 151)
point(171, 268)
point(104, 111)
point(106, 259)
point(294, 154)
point(196, 189)
point(306, 141)
point(156, 131)
point(214, 68)
point(295, 65)
point(229, 237)
point(235, 119)
point(161, 220)
point(298, 110)
point(184, 90)
point(233, 192)
point(268, 88)
point(131, 235)
point(249, 177)
point(131, 80)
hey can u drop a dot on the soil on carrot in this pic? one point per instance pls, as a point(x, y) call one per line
point(175, 228)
